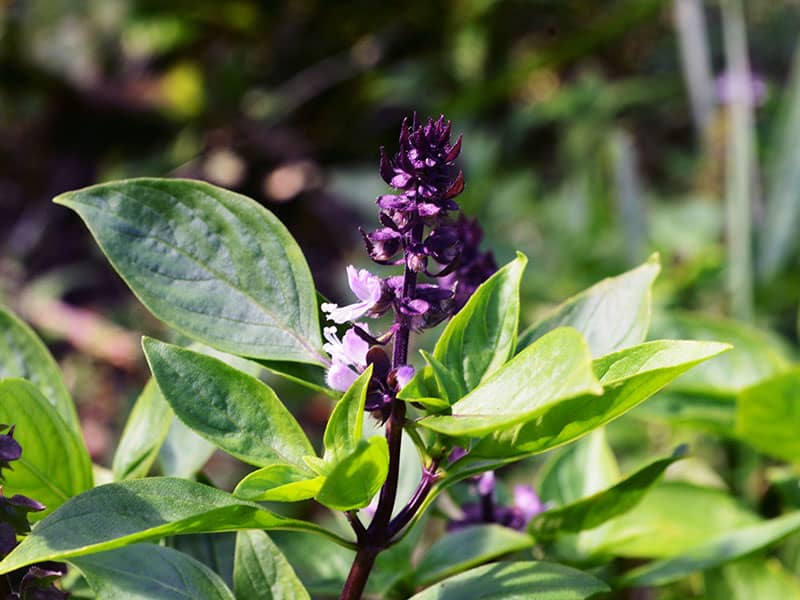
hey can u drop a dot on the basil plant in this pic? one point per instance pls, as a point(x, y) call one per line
point(409, 426)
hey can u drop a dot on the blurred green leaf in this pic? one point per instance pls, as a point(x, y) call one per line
point(612, 314)
point(22, 354)
point(150, 571)
point(55, 464)
point(592, 511)
point(145, 431)
point(768, 416)
point(516, 580)
point(261, 571)
point(756, 354)
point(579, 470)
point(671, 519)
point(751, 578)
point(463, 549)
point(184, 453)
point(726, 547)
point(213, 264)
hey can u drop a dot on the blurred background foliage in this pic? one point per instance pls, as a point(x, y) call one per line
point(595, 133)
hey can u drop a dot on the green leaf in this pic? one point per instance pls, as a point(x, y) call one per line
point(448, 387)
point(214, 265)
point(579, 470)
point(671, 519)
point(145, 571)
point(756, 354)
point(261, 571)
point(343, 431)
point(592, 511)
point(482, 336)
point(214, 550)
point(120, 514)
point(768, 416)
point(232, 409)
point(145, 431)
point(628, 377)
point(466, 548)
point(726, 547)
point(55, 464)
point(516, 581)
point(555, 368)
point(22, 354)
point(355, 479)
point(612, 314)
point(183, 453)
point(279, 483)
point(422, 389)
point(751, 578)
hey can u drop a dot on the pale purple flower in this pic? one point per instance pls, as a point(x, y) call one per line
point(367, 287)
point(527, 502)
point(747, 87)
point(348, 357)
point(486, 483)
point(404, 374)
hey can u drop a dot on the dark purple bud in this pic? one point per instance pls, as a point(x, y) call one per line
point(456, 188)
point(8, 539)
point(10, 450)
point(454, 151)
point(37, 584)
point(382, 244)
point(14, 510)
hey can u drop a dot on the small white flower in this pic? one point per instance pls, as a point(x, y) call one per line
point(348, 357)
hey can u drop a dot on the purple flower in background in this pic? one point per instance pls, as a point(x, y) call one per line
point(526, 505)
point(748, 87)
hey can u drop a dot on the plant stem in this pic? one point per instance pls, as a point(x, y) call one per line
point(378, 533)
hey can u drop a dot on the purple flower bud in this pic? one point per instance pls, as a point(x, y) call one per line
point(527, 502)
point(383, 244)
point(486, 483)
point(37, 584)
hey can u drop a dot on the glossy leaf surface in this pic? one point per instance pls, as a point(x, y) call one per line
point(120, 514)
point(146, 571)
point(555, 368)
point(232, 409)
point(482, 336)
point(213, 264)
point(628, 377)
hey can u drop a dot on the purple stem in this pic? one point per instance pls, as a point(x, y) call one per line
point(378, 534)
